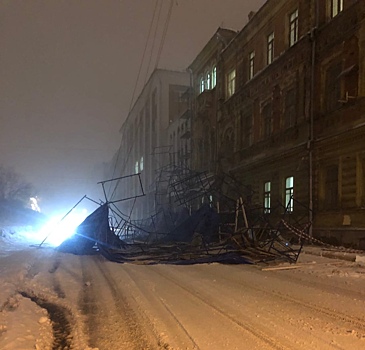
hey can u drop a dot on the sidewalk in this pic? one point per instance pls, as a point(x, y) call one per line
point(333, 253)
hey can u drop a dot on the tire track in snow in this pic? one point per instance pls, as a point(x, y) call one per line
point(335, 315)
point(62, 337)
point(113, 322)
point(190, 338)
point(247, 327)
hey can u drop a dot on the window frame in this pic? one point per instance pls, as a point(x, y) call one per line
point(231, 82)
point(214, 76)
point(208, 81)
point(270, 40)
point(290, 107)
point(289, 194)
point(293, 27)
point(267, 120)
point(267, 197)
point(335, 7)
point(136, 167)
point(201, 84)
point(251, 65)
point(331, 186)
point(333, 86)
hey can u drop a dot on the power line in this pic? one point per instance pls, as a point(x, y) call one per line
point(153, 43)
point(164, 34)
point(135, 86)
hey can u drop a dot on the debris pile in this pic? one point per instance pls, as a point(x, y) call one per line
point(223, 229)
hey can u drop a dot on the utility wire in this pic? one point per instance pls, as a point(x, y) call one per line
point(135, 87)
point(134, 90)
point(153, 43)
point(164, 34)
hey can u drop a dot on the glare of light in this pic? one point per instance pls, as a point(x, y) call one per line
point(33, 202)
point(59, 228)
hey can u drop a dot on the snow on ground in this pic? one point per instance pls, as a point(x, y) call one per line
point(62, 284)
point(23, 323)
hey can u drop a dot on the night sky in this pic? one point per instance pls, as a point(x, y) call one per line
point(67, 73)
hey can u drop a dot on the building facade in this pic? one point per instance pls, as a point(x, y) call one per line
point(204, 123)
point(338, 121)
point(146, 148)
point(288, 113)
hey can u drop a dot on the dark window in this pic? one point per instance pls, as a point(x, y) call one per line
point(246, 127)
point(290, 108)
point(267, 120)
point(331, 187)
point(362, 181)
point(228, 142)
point(333, 87)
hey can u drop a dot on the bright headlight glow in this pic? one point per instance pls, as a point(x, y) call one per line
point(58, 230)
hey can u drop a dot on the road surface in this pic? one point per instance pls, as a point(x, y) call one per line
point(96, 304)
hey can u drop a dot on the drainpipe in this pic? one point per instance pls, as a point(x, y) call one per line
point(311, 122)
point(192, 116)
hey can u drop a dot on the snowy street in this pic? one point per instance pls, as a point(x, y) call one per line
point(92, 303)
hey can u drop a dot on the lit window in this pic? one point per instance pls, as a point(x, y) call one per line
point(214, 77)
point(267, 197)
point(293, 28)
point(202, 85)
point(289, 193)
point(136, 168)
point(251, 65)
point(208, 81)
point(270, 48)
point(336, 7)
point(231, 82)
point(141, 163)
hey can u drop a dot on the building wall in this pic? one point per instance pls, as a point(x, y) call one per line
point(145, 147)
point(263, 126)
point(299, 113)
point(205, 79)
point(339, 125)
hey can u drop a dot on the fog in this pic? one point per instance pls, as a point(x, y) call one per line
point(67, 75)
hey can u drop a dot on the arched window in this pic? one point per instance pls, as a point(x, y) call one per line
point(202, 85)
point(228, 141)
point(214, 77)
point(208, 81)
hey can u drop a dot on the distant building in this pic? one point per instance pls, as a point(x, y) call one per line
point(146, 147)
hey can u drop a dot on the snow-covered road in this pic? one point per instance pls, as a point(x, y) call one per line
point(94, 303)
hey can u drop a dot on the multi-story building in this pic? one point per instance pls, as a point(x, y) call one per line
point(339, 121)
point(287, 112)
point(146, 148)
point(264, 102)
point(204, 77)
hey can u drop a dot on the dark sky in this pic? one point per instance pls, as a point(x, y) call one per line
point(67, 73)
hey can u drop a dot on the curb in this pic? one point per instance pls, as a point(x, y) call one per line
point(332, 254)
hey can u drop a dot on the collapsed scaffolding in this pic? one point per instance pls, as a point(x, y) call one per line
point(199, 218)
